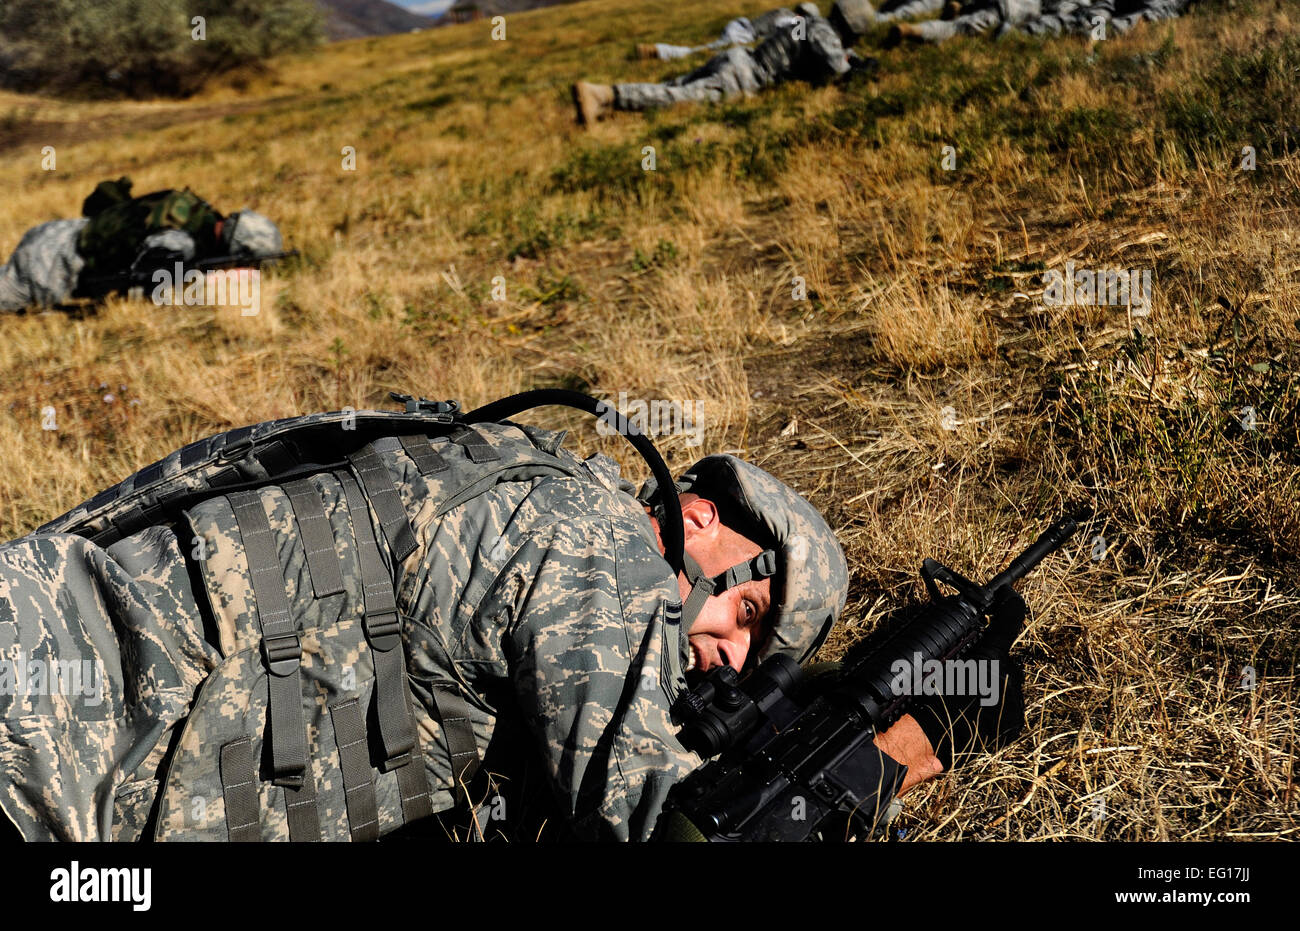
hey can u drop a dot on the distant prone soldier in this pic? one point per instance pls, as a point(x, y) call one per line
point(862, 15)
point(970, 18)
point(737, 32)
point(120, 239)
point(1111, 17)
point(812, 49)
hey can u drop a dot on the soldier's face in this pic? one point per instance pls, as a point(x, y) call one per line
point(731, 624)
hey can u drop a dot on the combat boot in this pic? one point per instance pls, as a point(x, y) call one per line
point(594, 101)
point(900, 31)
point(647, 51)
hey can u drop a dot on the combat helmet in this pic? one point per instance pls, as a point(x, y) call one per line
point(852, 18)
point(248, 233)
point(801, 552)
point(809, 10)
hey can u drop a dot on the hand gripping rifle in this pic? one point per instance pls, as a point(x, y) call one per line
point(798, 759)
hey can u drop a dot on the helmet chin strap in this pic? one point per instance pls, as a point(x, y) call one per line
point(704, 587)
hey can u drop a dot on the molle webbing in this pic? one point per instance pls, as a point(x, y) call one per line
point(382, 626)
point(317, 538)
point(453, 715)
point(425, 457)
point(413, 781)
point(383, 632)
point(354, 760)
point(326, 528)
point(479, 449)
point(386, 502)
point(239, 788)
point(300, 805)
point(281, 648)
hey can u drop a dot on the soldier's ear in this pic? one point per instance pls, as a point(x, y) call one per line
point(698, 514)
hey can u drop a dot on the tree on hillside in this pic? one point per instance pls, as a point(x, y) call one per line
point(144, 47)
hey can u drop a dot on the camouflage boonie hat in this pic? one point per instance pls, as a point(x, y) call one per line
point(857, 16)
point(249, 233)
point(814, 576)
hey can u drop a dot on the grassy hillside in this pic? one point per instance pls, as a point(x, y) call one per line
point(924, 294)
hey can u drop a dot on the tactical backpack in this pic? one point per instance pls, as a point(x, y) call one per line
point(120, 223)
point(307, 728)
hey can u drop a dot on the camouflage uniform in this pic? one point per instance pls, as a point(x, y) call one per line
point(978, 17)
point(860, 15)
point(739, 31)
point(817, 57)
point(544, 603)
point(1080, 17)
point(1061, 17)
point(44, 267)
point(907, 9)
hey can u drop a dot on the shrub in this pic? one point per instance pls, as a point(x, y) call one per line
point(143, 48)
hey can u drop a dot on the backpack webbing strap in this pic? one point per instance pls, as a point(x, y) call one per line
point(413, 781)
point(354, 761)
point(317, 537)
point(383, 633)
point(304, 819)
point(387, 503)
point(426, 458)
point(281, 648)
point(453, 715)
point(413, 786)
point(239, 788)
point(477, 448)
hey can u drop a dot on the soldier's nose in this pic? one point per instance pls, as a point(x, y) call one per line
point(725, 652)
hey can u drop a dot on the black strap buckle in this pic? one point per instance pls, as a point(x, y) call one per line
point(236, 450)
point(445, 411)
point(384, 631)
point(282, 654)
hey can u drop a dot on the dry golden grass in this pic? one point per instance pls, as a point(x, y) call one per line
point(924, 295)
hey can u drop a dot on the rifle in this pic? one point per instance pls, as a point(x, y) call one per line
point(798, 761)
point(141, 272)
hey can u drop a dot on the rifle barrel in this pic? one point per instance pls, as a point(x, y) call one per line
point(1050, 540)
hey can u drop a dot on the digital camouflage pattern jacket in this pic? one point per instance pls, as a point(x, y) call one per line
point(135, 684)
point(811, 53)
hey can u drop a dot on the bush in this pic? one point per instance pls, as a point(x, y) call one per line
point(142, 48)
